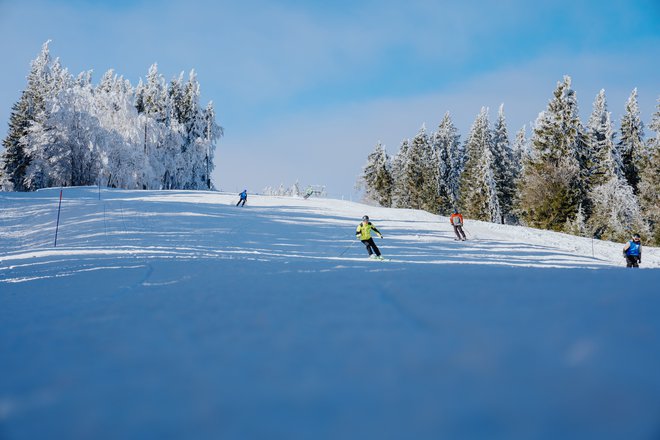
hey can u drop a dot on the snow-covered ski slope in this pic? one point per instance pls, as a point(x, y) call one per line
point(178, 315)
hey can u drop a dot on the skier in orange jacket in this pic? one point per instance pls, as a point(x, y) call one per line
point(456, 220)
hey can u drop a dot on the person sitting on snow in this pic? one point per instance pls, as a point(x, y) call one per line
point(632, 251)
point(363, 233)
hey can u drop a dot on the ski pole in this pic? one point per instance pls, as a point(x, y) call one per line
point(347, 248)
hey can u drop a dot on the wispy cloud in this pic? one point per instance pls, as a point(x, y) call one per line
point(318, 83)
point(330, 146)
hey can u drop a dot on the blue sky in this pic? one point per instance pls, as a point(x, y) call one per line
point(305, 89)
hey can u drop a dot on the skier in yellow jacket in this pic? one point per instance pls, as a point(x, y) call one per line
point(363, 233)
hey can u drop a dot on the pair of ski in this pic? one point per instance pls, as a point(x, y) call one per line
point(377, 258)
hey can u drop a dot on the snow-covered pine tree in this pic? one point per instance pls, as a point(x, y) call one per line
point(212, 133)
point(14, 159)
point(377, 178)
point(194, 149)
point(32, 104)
point(520, 150)
point(577, 226)
point(550, 189)
point(521, 155)
point(614, 212)
point(446, 144)
point(140, 104)
point(401, 197)
point(631, 141)
point(429, 164)
point(603, 166)
point(649, 187)
point(413, 170)
point(478, 192)
point(295, 190)
point(152, 104)
point(173, 161)
point(603, 162)
point(503, 167)
point(153, 95)
point(156, 103)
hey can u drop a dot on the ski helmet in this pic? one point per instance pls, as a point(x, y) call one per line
point(365, 218)
point(636, 236)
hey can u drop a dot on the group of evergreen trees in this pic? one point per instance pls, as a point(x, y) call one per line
point(588, 181)
point(64, 131)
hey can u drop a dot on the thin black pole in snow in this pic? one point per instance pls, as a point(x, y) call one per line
point(57, 226)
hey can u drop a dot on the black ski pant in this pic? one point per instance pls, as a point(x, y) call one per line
point(241, 200)
point(632, 261)
point(457, 229)
point(371, 246)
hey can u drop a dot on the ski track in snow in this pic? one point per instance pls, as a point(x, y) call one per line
point(175, 314)
point(133, 225)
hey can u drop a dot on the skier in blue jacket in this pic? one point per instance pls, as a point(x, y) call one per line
point(632, 251)
point(243, 198)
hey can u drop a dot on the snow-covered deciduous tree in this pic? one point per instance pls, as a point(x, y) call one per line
point(72, 148)
point(478, 193)
point(65, 131)
point(631, 142)
point(48, 143)
point(377, 177)
point(616, 213)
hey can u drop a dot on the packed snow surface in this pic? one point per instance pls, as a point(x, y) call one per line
point(179, 315)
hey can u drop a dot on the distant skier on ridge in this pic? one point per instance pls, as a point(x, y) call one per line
point(363, 233)
point(243, 198)
point(632, 251)
point(456, 220)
